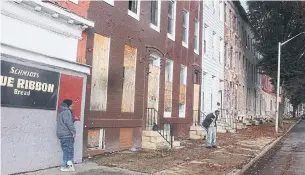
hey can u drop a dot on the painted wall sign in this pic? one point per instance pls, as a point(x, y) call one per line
point(75, 93)
point(28, 87)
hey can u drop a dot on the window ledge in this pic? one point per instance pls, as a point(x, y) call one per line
point(167, 114)
point(74, 1)
point(171, 36)
point(134, 15)
point(109, 2)
point(184, 44)
point(156, 28)
point(196, 51)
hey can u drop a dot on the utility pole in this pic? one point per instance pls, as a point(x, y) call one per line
point(278, 80)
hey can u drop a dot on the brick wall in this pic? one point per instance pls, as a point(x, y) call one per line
point(122, 29)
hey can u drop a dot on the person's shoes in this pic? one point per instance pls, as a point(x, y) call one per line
point(64, 169)
point(215, 146)
point(208, 147)
point(70, 166)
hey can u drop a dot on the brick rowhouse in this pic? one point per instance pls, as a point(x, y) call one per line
point(121, 46)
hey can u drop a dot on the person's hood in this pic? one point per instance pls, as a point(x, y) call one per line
point(63, 107)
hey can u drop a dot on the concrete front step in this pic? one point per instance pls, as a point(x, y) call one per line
point(153, 140)
point(197, 132)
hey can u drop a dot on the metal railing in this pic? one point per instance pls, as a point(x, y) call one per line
point(198, 117)
point(156, 122)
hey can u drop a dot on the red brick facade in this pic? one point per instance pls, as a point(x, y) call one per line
point(115, 23)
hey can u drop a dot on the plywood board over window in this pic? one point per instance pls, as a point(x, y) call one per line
point(168, 96)
point(153, 83)
point(129, 79)
point(100, 68)
point(182, 96)
point(196, 97)
point(126, 138)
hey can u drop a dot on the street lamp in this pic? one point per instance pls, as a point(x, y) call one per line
point(278, 80)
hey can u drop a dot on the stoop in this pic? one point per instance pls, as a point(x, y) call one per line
point(153, 140)
point(197, 133)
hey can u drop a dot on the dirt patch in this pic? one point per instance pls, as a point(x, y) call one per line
point(194, 158)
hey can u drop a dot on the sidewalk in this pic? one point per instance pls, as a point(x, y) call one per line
point(86, 168)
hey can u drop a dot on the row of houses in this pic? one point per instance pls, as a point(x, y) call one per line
point(135, 70)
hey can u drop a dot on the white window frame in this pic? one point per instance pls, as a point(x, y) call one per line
point(221, 11)
point(205, 39)
point(182, 113)
point(198, 37)
point(102, 139)
point(213, 44)
point(185, 44)
point(133, 14)
point(171, 70)
point(173, 35)
point(221, 44)
point(157, 28)
point(155, 60)
point(74, 1)
point(185, 74)
point(110, 2)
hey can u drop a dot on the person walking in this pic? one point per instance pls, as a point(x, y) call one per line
point(66, 134)
point(209, 123)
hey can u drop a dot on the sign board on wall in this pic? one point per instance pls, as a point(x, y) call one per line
point(28, 87)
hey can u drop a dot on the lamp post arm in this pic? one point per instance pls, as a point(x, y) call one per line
point(292, 38)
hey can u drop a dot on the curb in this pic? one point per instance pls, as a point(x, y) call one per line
point(261, 154)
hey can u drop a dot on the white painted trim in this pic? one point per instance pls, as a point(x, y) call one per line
point(182, 114)
point(167, 114)
point(198, 41)
point(44, 59)
point(74, 1)
point(61, 11)
point(185, 44)
point(173, 35)
point(102, 139)
point(110, 2)
point(135, 15)
point(157, 28)
point(40, 24)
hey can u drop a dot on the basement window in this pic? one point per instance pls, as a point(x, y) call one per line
point(96, 139)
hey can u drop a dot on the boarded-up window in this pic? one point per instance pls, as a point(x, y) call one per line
point(96, 138)
point(126, 138)
point(129, 79)
point(182, 95)
point(100, 67)
point(168, 88)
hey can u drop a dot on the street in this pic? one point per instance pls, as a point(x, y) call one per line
point(287, 157)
